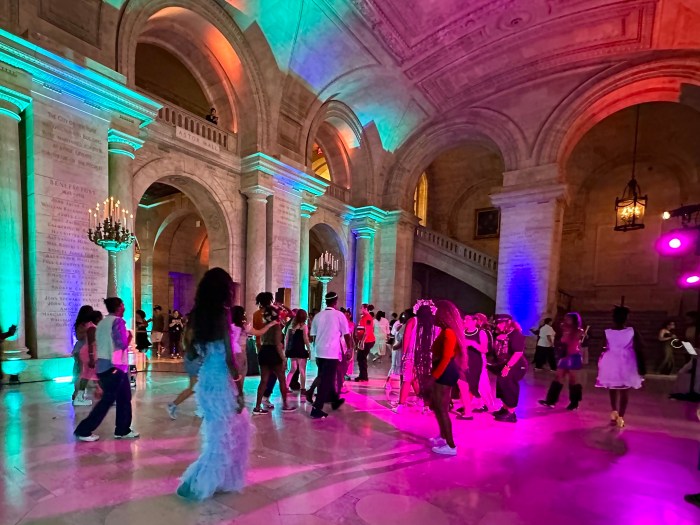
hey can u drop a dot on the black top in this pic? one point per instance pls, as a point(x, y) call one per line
point(505, 345)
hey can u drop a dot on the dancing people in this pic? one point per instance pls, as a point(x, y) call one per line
point(225, 430)
point(271, 361)
point(83, 322)
point(510, 366)
point(486, 395)
point(666, 337)
point(570, 348)
point(328, 328)
point(112, 367)
point(621, 366)
point(298, 348)
point(447, 351)
point(477, 345)
point(175, 334)
point(396, 348)
point(382, 331)
point(544, 351)
point(158, 329)
point(142, 342)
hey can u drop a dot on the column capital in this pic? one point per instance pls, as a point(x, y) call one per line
point(257, 193)
point(364, 229)
point(12, 103)
point(530, 194)
point(122, 143)
point(307, 209)
point(283, 173)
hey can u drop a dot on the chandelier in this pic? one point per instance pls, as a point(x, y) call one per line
point(109, 226)
point(630, 208)
point(325, 266)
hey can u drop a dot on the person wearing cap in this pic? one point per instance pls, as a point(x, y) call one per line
point(511, 366)
point(328, 328)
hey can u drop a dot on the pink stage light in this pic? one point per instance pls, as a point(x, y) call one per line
point(690, 280)
point(677, 242)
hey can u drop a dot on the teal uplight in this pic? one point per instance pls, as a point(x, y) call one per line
point(13, 367)
point(63, 379)
point(124, 152)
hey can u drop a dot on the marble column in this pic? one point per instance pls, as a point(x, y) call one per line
point(122, 148)
point(11, 237)
point(256, 244)
point(364, 257)
point(532, 207)
point(304, 269)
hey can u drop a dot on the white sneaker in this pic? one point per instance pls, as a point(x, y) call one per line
point(266, 404)
point(399, 409)
point(90, 438)
point(437, 442)
point(172, 410)
point(131, 435)
point(445, 450)
point(80, 400)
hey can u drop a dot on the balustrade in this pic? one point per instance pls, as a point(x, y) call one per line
point(446, 244)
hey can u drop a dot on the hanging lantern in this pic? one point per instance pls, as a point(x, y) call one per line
point(630, 208)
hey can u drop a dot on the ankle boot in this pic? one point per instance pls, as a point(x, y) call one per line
point(552, 394)
point(575, 396)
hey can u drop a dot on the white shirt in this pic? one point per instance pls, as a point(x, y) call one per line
point(329, 328)
point(543, 340)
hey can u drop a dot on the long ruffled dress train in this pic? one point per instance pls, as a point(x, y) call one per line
point(225, 434)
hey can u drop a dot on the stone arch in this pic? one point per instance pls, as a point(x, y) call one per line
point(332, 238)
point(207, 195)
point(350, 152)
point(481, 126)
point(611, 91)
point(253, 132)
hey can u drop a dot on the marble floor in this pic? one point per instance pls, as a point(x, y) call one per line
point(364, 465)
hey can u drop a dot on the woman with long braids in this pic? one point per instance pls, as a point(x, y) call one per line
point(416, 362)
point(225, 430)
point(569, 347)
point(446, 353)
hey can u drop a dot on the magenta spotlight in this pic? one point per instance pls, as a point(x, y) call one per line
point(690, 280)
point(677, 242)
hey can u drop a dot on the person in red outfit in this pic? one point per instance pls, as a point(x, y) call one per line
point(367, 322)
point(447, 350)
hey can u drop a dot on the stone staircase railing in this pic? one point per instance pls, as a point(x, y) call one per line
point(338, 192)
point(177, 117)
point(446, 244)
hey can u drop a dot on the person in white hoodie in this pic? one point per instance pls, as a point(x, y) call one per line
point(112, 367)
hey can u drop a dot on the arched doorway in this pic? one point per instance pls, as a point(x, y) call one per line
point(323, 238)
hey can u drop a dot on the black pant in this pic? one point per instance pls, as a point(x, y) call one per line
point(115, 388)
point(270, 385)
point(508, 388)
point(545, 354)
point(326, 382)
point(362, 360)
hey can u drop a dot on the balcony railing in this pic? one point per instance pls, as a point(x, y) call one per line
point(446, 244)
point(178, 117)
point(338, 192)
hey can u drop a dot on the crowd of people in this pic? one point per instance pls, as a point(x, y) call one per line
point(445, 359)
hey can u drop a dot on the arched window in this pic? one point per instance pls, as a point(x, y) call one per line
point(319, 164)
point(420, 199)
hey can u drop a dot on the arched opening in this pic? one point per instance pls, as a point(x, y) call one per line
point(164, 75)
point(323, 238)
point(461, 180)
point(434, 283)
point(420, 199)
point(600, 265)
point(319, 163)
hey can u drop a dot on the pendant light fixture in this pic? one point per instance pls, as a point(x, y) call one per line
point(631, 207)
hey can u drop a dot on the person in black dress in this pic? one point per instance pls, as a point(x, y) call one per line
point(298, 348)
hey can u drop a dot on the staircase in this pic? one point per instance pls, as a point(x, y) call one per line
point(462, 262)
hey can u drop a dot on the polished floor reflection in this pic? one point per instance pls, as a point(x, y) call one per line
point(362, 465)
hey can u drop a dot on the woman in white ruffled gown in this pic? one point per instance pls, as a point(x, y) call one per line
point(226, 429)
point(621, 367)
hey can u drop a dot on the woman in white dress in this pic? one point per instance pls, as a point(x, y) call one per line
point(621, 366)
point(381, 333)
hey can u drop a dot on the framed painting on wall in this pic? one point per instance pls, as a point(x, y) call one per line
point(487, 223)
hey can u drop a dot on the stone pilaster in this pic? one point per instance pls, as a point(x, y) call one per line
point(395, 268)
point(256, 243)
point(12, 104)
point(307, 209)
point(122, 149)
point(532, 206)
